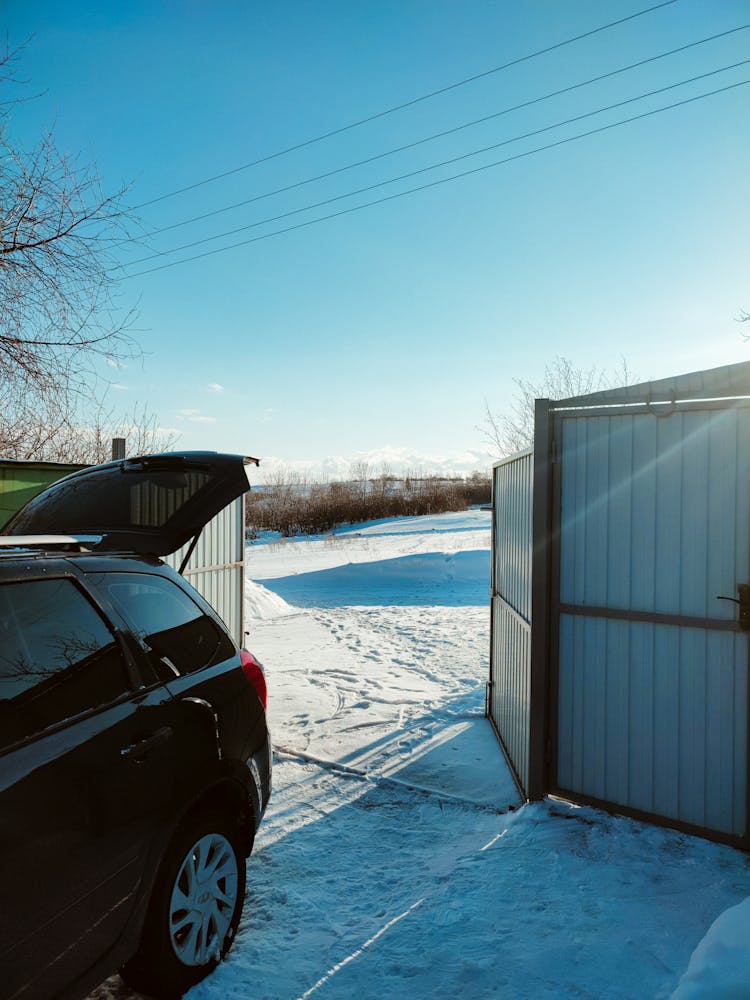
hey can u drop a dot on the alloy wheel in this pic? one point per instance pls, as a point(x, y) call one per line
point(203, 900)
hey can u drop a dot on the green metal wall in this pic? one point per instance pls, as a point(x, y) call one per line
point(20, 481)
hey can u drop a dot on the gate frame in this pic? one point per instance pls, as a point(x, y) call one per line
point(546, 719)
point(719, 388)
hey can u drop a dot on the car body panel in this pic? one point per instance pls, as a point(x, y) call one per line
point(77, 816)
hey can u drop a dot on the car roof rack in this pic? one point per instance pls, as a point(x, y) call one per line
point(65, 543)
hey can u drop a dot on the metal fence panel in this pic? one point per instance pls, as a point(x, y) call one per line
point(216, 567)
point(510, 653)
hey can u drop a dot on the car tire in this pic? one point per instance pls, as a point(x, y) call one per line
point(194, 911)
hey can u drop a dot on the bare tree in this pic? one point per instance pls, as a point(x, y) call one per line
point(59, 315)
point(514, 431)
point(34, 427)
point(91, 442)
point(58, 270)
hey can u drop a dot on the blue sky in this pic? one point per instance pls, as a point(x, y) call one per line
point(381, 332)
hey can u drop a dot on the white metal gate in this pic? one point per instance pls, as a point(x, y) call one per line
point(651, 513)
point(509, 688)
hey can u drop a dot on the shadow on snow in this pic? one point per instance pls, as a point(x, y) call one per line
point(459, 579)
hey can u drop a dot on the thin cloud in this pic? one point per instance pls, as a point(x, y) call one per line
point(215, 387)
point(195, 417)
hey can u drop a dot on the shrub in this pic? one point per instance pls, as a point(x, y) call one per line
point(291, 506)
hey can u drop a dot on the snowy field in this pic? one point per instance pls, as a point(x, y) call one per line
point(395, 859)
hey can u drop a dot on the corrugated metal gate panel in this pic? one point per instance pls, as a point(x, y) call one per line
point(216, 566)
point(654, 511)
point(654, 717)
point(655, 521)
point(509, 691)
point(512, 486)
point(510, 661)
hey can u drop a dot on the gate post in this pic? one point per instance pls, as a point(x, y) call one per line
point(540, 618)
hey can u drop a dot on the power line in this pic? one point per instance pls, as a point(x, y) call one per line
point(436, 135)
point(402, 107)
point(433, 166)
point(443, 180)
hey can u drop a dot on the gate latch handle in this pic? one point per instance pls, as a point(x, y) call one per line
point(743, 602)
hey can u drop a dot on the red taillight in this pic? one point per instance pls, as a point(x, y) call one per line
point(255, 675)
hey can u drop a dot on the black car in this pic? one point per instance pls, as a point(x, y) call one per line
point(135, 760)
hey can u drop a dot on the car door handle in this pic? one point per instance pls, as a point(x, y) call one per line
point(137, 751)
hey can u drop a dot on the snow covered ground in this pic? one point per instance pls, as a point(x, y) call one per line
point(395, 859)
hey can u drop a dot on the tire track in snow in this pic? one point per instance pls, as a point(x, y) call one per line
point(335, 767)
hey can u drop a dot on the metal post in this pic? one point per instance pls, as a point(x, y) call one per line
point(118, 448)
point(541, 527)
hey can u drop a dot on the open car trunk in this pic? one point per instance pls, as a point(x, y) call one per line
point(148, 505)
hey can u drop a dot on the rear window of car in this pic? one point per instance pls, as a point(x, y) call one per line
point(181, 635)
point(152, 498)
point(58, 657)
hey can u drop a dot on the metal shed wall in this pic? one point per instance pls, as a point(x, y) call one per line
point(510, 657)
point(216, 567)
point(21, 481)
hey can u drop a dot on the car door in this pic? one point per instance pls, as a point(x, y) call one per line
point(86, 774)
point(193, 656)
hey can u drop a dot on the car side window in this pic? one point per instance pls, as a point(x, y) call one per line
point(58, 657)
point(182, 637)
